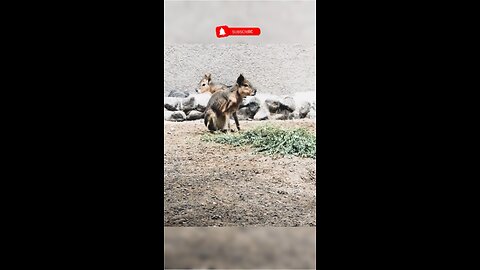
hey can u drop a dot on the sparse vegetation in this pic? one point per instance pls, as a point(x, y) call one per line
point(271, 140)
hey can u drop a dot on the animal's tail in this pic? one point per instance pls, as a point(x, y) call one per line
point(211, 125)
point(205, 119)
point(209, 121)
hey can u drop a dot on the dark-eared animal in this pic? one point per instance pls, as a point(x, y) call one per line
point(207, 85)
point(224, 104)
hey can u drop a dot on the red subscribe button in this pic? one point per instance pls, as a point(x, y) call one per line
point(225, 31)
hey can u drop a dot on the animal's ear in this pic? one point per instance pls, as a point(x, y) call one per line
point(240, 79)
point(208, 76)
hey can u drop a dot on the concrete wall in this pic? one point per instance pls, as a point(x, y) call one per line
point(275, 68)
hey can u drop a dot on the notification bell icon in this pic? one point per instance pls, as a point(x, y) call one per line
point(223, 31)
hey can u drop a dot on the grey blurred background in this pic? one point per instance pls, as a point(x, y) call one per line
point(279, 61)
point(239, 248)
point(279, 21)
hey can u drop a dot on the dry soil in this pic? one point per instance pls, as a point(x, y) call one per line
point(211, 184)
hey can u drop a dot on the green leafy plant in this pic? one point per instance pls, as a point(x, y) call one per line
point(271, 140)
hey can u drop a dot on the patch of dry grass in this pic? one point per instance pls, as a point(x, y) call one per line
point(271, 140)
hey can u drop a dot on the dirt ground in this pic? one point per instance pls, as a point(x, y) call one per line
point(211, 184)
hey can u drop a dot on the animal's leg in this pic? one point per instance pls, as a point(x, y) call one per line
point(226, 126)
point(236, 121)
point(228, 122)
point(221, 122)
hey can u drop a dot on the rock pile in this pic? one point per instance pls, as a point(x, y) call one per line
point(263, 106)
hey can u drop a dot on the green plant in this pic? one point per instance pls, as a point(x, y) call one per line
point(271, 140)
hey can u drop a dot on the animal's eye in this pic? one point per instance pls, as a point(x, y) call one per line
point(246, 85)
point(203, 84)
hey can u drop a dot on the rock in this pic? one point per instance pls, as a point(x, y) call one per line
point(262, 113)
point(167, 114)
point(202, 101)
point(303, 104)
point(302, 98)
point(272, 105)
point(253, 108)
point(294, 115)
point(165, 111)
point(172, 103)
point(188, 104)
point(250, 100)
point(175, 116)
point(304, 109)
point(248, 108)
point(178, 93)
point(242, 104)
point(194, 115)
point(281, 115)
point(287, 103)
point(244, 114)
point(271, 101)
point(312, 115)
point(253, 104)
